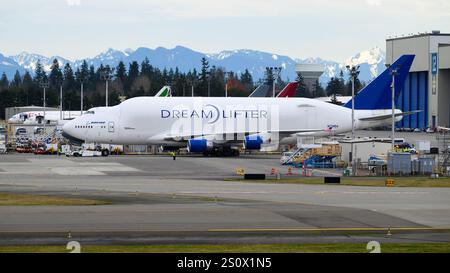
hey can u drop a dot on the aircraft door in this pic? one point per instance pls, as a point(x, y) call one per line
point(111, 127)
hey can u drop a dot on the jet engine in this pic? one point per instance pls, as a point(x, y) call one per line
point(199, 145)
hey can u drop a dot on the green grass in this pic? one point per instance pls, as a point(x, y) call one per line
point(362, 181)
point(9, 199)
point(263, 248)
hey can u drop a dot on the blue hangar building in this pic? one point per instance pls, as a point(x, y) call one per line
point(427, 86)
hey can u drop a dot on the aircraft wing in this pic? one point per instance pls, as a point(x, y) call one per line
point(221, 136)
point(381, 117)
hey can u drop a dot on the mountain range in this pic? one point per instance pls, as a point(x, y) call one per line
point(371, 61)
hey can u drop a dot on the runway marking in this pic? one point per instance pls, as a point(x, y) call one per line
point(231, 230)
point(327, 229)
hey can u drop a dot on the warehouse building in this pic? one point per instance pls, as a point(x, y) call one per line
point(11, 111)
point(311, 74)
point(427, 86)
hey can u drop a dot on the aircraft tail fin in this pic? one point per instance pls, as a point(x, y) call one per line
point(288, 90)
point(377, 94)
point(260, 91)
point(166, 91)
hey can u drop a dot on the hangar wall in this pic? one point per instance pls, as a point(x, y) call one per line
point(444, 97)
point(427, 87)
point(414, 96)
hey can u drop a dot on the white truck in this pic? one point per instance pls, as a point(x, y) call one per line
point(2, 143)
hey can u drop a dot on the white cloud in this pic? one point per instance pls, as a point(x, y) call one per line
point(374, 2)
point(73, 2)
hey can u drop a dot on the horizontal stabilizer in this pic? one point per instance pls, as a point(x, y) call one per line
point(381, 117)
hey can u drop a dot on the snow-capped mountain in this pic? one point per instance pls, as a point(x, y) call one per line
point(110, 57)
point(257, 62)
point(28, 61)
point(9, 66)
point(371, 62)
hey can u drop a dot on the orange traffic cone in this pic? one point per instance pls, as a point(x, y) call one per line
point(289, 171)
point(273, 171)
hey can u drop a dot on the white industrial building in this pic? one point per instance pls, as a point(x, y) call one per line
point(364, 148)
point(310, 73)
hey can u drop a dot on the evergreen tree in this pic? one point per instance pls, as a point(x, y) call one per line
point(39, 73)
point(27, 85)
point(69, 78)
point(302, 89)
point(133, 73)
point(4, 83)
point(358, 86)
point(55, 76)
point(82, 74)
point(121, 72)
point(17, 79)
point(146, 68)
point(204, 76)
point(246, 80)
point(318, 90)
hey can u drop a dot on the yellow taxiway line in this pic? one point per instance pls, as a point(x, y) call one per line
point(327, 229)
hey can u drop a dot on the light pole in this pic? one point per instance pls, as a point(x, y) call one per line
point(208, 74)
point(394, 73)
point(61, 101)
point(44, 84)
point(275, 71)
point(191, 82)
point(81, 95)
point(227, 76)
point(354, 72)
point(106, 76)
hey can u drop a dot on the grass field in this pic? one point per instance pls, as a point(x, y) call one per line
point(8, 199)
point(271, 248)
point(363, 181)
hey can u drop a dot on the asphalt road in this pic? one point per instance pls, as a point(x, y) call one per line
point(156, 199)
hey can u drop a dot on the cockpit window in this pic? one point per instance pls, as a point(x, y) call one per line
point(90, 112)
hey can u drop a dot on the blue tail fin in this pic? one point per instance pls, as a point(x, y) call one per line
point(377, 95)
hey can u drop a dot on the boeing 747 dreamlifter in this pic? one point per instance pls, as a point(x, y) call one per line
point(216, 123)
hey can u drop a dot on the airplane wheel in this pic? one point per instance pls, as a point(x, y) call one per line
point(105, 152)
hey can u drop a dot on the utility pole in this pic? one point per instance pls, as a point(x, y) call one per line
point(209, 83)
point(394, 73)
point(227, 77)
point(106, 76)
point(81, 95)
point(61, 101)
point(354, 72)
point(44, 84)
point(191, 82)
point(275, 71)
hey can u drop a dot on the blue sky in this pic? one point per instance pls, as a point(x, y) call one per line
point(331, 29)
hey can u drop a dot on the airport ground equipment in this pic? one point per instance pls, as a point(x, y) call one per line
point(255, 176)
point(390, 182)
point(399, 163)
point(3, 143)
point(320, 157)
point(240, 171)
point(444, 156)
point(332, 180)
point(377, 165)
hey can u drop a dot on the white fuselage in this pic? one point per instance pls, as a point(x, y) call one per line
point(32, 117)
point(161, 120)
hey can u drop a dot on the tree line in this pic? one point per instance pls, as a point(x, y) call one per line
point(135, 80)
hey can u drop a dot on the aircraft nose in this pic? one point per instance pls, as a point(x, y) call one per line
point(68, 131)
